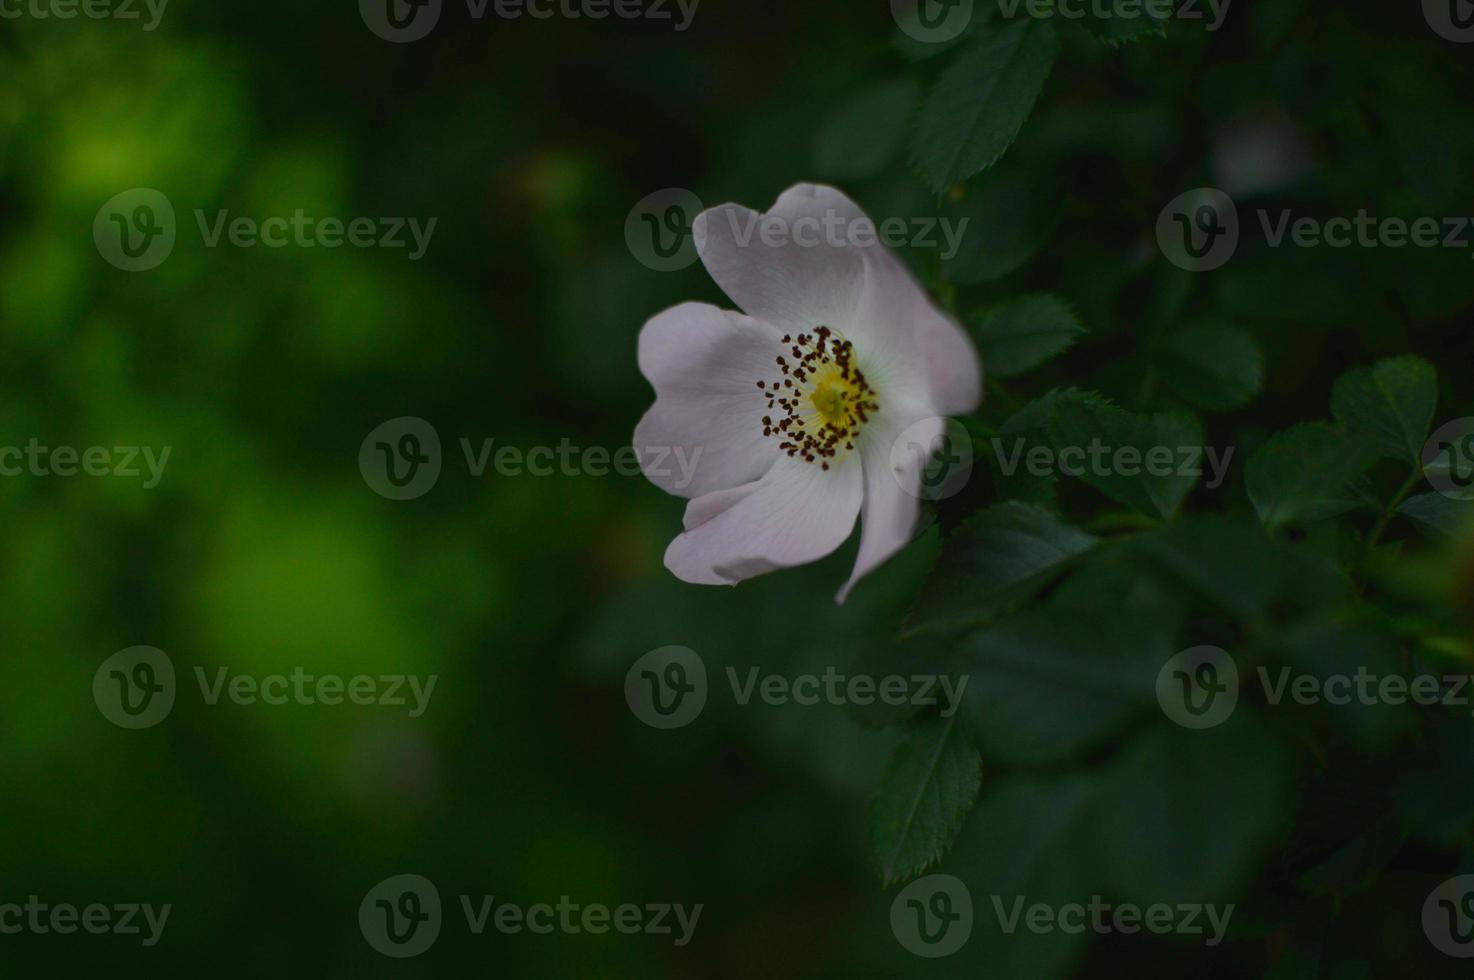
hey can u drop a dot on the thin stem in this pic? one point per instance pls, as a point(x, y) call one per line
point(1391, 508)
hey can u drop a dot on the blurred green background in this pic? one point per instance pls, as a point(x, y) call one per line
point(264, 369)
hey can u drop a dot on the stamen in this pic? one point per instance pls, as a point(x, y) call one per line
point(832, 398)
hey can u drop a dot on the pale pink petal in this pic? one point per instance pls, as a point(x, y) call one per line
point(826, 266)
point(892, 507)
point(705, 430)
point(796, 514)
point(791, 285)
point(900, 322)
point(703, 509)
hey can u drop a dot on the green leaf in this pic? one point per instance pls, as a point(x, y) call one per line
point(1005, 219)
point(1232, 562)
point(1305, 473)
point(1026, 842)
point(1125, 22)
point(1391, 404)
point(1185, 815)
point(995, 560)
point(932, 783)
point(1026, 428)
point(1213, 366)
point(1043, 690)
point(1136, 460)
point(1337, 645)
point(982, 100)
point(1436, 808)
point(1359, 862)
point(1442, 515)
point(866, 132)
point(1049, 683)
point(1022, 334)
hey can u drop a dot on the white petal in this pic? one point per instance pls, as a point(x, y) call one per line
point(892, 505)
point(703, 509)
point(705, 430)
point(791, 285)
point(901, 323)
point(796, 514)
point(824, 265)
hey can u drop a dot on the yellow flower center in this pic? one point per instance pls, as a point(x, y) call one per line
point(823, 398)
point(828, 398)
